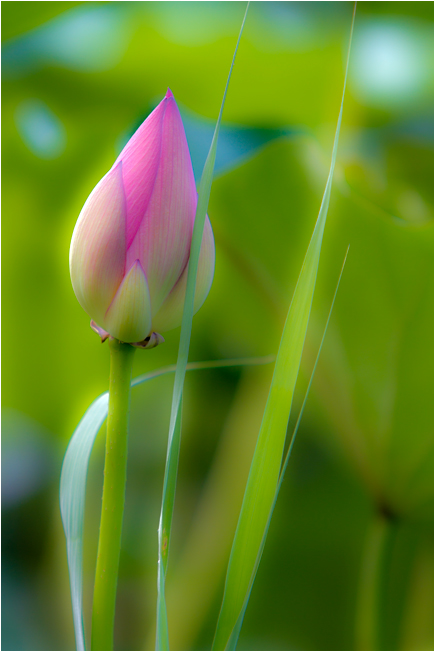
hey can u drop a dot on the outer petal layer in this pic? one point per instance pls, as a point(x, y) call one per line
point(170, 314)
point(162, 242)
point(97, 252)
point(129, 316)
point(140, 163)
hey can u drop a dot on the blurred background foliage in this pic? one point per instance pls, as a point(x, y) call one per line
point(348, 563)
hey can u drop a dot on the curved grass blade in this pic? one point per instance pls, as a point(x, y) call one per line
point(74, 473)
point(232, 643)
point(169, 483)
point(265, 468)
point(72, 502)
point(301, 411)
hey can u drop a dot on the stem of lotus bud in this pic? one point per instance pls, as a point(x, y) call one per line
point(115, 468)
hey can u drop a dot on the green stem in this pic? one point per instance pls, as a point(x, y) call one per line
point(112, 509)
point(372, 580)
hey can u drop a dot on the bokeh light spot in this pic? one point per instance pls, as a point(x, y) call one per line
point(392, 63)
point(40, 129)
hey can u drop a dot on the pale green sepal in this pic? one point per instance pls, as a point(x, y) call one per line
point(129, 316)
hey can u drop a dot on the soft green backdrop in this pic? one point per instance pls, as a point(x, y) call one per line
point(78, 78)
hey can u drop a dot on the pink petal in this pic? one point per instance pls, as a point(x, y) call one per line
point(170, 314)
point(162, 242)
point(129, 316)
point(140, 162)
point(97, 252)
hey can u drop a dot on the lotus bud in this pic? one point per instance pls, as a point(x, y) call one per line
point(131, 243)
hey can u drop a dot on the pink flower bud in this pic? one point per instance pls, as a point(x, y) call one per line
point(131, 244)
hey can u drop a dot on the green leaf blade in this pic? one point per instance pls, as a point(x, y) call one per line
point(74, 473)
point(72, 502)
point(169, 483)
point(262, 484)
point(232, 641)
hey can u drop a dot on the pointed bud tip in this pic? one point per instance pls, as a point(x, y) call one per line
point(169, 94)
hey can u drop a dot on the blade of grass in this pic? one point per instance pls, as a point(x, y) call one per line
point(265, 468)
point(236, 631)
point(169, 483)
point(72, 502)
point(74, 473)
point(296, 428)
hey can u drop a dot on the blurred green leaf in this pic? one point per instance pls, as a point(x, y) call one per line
point(368, 426)
point(18, 18)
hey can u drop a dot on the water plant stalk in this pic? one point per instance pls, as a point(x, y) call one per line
point(112, 509)
point(369, 624)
